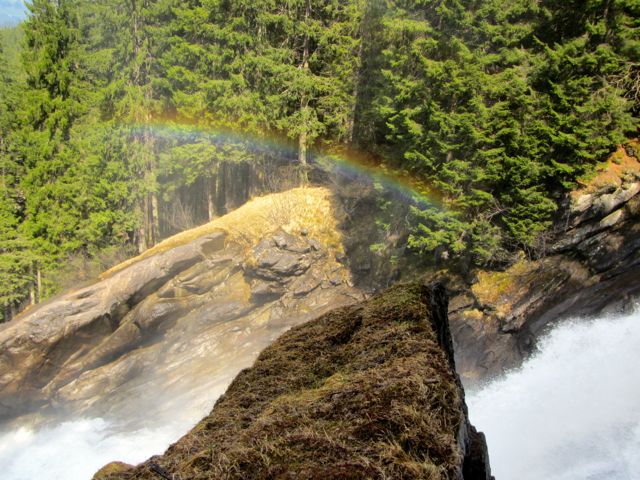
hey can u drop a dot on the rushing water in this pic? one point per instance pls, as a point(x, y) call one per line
point(572, 412)
point(76, 449)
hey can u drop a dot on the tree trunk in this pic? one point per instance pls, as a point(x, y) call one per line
point(155, 222)
point(142, 239)
point(142, 230)
point(356, 92)
point(39, 284)
point(32, 290)
point(3, 174)
point(138, 139)
point(304, 101)
point(210, 189)
point(221, 194)
point(302, 155)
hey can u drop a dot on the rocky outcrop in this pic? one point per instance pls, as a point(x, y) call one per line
point(181, 319)
point(367, 391)
point(592, 267)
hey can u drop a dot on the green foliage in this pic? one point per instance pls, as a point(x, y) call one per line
point(498, 105)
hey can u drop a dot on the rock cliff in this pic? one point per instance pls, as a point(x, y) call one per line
point(591, 267)
point(366, 391)
point(154, 324)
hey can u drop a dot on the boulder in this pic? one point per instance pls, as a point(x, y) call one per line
point(182, 317)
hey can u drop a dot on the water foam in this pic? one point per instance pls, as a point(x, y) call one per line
point(75, 450)
point(572, 412)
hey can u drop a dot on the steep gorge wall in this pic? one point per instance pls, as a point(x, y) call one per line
point(592, 267)
point(588, 266)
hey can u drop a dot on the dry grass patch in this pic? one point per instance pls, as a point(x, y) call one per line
point(503, 289)
point(311, 209)
point(473, 314)
point(610, 173)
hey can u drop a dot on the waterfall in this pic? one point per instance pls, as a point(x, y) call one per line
point(76, 448)
point(572, 411)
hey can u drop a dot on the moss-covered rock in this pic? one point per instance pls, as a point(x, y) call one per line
point(367, 391)
point(113, 468)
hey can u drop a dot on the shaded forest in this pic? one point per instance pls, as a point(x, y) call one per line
point(124, 121)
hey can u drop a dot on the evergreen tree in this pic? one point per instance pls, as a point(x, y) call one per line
point(52, 104)
point(500, 106)
point(15, 257)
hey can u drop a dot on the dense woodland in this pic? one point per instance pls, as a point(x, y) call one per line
point(109, 110)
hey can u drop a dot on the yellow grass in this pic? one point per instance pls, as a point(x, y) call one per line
point(309, 208)
point(502, 289)
point(611, 172)
point(473, 314)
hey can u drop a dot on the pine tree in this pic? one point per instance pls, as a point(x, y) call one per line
point(52, 104)
point(500, 106)
point(15, 257)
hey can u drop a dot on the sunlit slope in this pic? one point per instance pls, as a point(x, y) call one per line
point(309, 209)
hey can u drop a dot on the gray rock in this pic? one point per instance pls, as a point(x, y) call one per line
point(291, 243)
point(596, 206)
point(160, 321)
point(315, 245)
point(304, 285)
point(573, 237)
point(262, 291)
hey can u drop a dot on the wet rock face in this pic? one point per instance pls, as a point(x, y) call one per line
point(366, 391)
point(593, 268)
point(157, 324)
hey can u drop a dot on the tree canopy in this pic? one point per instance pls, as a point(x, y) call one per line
point(498, 105)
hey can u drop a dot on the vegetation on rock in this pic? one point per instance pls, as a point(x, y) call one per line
point(367, 391)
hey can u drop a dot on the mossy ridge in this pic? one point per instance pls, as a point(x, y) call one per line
point(362, 392)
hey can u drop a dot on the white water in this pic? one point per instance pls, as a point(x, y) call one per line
point(572, 412)
point(76, 450)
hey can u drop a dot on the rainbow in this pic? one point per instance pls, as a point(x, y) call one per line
point(346, 161)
